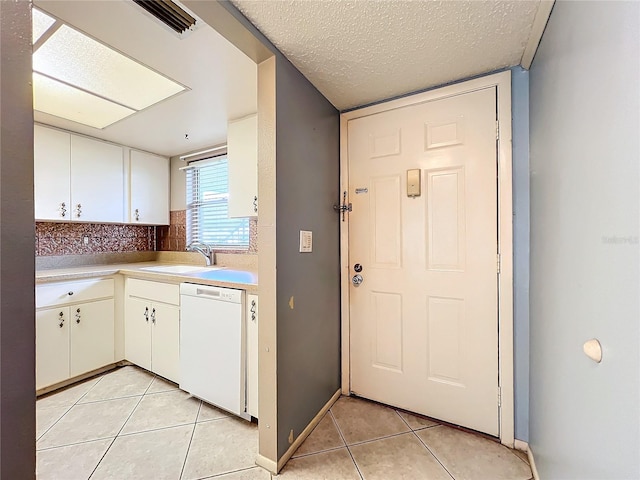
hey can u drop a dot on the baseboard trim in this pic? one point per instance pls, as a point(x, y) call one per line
point(78, 378)
point(267, 464)
point(521, 445)
point(532, 464)
point(307, 431)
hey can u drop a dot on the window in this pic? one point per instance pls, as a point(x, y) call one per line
point(207, 207)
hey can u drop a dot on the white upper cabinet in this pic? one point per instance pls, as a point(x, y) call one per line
point(52, 175)
point(242, 153)
point(149, 189)
point(82, 179)
point(97, 180)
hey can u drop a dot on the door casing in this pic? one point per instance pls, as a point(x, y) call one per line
point(502, 81)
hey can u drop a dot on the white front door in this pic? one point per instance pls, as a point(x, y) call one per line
point(424, 320)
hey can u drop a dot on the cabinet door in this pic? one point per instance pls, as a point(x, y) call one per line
point(92, 336)
point(149, 189)
point(252, 355)
point(137, 332)
point(52, 346)
point(242, 154)
point(52, 156)
point(97, 181)
point(165, 354)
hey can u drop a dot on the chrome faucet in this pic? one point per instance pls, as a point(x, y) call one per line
point(205, 250)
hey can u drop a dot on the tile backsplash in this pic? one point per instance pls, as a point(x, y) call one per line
point(69, 238)
point(173, 237)
point(54, 239)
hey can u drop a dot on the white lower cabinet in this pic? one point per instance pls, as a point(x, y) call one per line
point(91, 336)
point(52, 346)
point(152, 327)
point(73, 338)
point(252, 355)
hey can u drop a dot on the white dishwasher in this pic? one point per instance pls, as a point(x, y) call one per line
point(212, 345)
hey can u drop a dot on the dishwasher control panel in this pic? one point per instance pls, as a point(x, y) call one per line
point(212, 293)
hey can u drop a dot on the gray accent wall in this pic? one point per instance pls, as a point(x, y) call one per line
point(520, 158)
point(307, 185)
point(585, 151)
point(17, 240)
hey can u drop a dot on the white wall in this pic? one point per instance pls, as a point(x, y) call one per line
point(178, 185)
point(585, 151)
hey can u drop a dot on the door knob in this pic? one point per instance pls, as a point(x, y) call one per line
point(357, 280)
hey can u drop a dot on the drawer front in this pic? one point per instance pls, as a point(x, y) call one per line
point(154, 291)
point(53, 294)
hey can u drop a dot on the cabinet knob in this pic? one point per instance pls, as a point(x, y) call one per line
point(78, 210)
point(153, 315)
point(63, 209)
point(137, 214)
point(146, 313)
point(70, 293)
point(255, 204)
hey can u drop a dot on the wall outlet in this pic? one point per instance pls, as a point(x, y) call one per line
point(85, 240)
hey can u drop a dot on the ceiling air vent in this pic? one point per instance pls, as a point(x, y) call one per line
point(168, 13)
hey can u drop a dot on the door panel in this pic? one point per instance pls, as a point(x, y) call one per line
point(137, 332)
point(52, 346)
point(424, 331)
point(165, 349)
point(92, 336)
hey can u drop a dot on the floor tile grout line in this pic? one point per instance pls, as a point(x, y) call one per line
point(345, 443)
point(92, 402)
point(71, 406)
point(101, 458)
point(326, 450)
point(68, 409)
point(118, 434)
point(434, 455)
point(73, 444)
point(156, 429)
point(393, 435)
point(218, 475)
point(193, 431)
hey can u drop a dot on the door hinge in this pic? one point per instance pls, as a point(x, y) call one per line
point(498, 263)
point(497, 130)
point(499, 396)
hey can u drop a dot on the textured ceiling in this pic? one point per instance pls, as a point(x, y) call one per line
point(359, 52)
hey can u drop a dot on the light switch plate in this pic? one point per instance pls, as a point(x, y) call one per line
point(306, 241)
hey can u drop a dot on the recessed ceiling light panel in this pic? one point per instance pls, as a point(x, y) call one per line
point(41, 23)
point(55, 98)
point(81, 61)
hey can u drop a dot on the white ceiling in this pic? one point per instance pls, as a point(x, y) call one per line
point(363, 51)
point(222, 80)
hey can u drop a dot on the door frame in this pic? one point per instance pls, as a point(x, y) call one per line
point(502, 81)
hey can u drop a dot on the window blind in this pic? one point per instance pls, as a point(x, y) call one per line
point(207, 207)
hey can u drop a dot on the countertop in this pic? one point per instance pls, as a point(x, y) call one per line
point(220, 277)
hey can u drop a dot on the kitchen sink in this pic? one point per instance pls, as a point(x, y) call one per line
point(179, 269)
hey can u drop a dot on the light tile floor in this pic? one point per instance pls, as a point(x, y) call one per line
point(129, 424)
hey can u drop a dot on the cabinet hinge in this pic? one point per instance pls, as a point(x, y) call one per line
point(499, 396)
point(498, 263)
point(497, 130)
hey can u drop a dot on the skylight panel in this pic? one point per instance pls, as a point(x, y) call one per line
point(55, 98)
point(78, 60)
point(41, 23)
